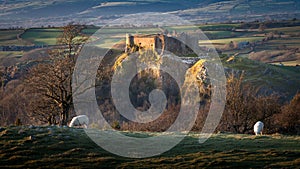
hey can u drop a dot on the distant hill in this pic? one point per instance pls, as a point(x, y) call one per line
point(38, 13)
point(269, 78)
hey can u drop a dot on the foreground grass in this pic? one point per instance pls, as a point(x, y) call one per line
point(53, 147)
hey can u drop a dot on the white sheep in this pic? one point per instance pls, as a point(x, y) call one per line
point(258, 128)
point(80, 120)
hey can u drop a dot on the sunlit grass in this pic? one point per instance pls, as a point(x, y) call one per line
point(42, 36)
point(285, 29)
point(10, 37)
point(288, 63)
point(228, 40)
point(67, 147)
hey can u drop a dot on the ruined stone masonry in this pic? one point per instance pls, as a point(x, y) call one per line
point(157, 42)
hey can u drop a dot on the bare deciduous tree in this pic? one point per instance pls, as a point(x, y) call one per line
point(289, 118)
point(13, 103)
point(245, 105)
point(50, 83)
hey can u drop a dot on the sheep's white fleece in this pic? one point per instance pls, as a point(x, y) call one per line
point(80, 120)
point(258, 127)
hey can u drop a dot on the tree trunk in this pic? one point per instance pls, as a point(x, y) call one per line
point(64, 116)
point(51, 120)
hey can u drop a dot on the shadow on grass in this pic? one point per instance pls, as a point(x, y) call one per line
point(54, 147)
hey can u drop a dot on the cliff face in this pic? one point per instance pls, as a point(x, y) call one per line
point(154, 71)
point(197, 76)
point(147, 64)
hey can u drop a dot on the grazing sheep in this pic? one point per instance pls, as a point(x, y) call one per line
point(258, 128)
point(81, 120)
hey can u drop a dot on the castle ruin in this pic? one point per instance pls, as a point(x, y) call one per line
point(156, 42)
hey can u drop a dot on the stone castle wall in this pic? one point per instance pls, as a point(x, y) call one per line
point(157, 42)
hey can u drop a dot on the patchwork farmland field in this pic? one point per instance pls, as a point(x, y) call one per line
point(41, 36)
point(228, 40)
point(11, 37)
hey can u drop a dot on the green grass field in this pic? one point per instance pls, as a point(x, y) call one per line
point(280, 79)
point(293, 42)
point(9, 37)
point(53, 147)
point(228, 40)
point(221, 34)
point(287, 48)
point(9, 58)
point(49, 36)
point(218, 26)
point(119, 31)
point(5, 54)
point(259, 73)
point(41, 36)
point(286, 30)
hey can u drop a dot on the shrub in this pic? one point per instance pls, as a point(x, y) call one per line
point(288, 121)
point(116, 125)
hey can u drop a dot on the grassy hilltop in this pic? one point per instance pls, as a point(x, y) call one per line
point(53, 147)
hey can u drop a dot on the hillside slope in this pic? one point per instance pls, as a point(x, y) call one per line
point(35, 13)
point(55, 147)
point(270, 78)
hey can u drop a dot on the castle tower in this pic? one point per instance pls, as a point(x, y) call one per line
point(129, 42)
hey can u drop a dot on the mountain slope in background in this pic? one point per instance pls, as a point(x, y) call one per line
point(38, 13)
